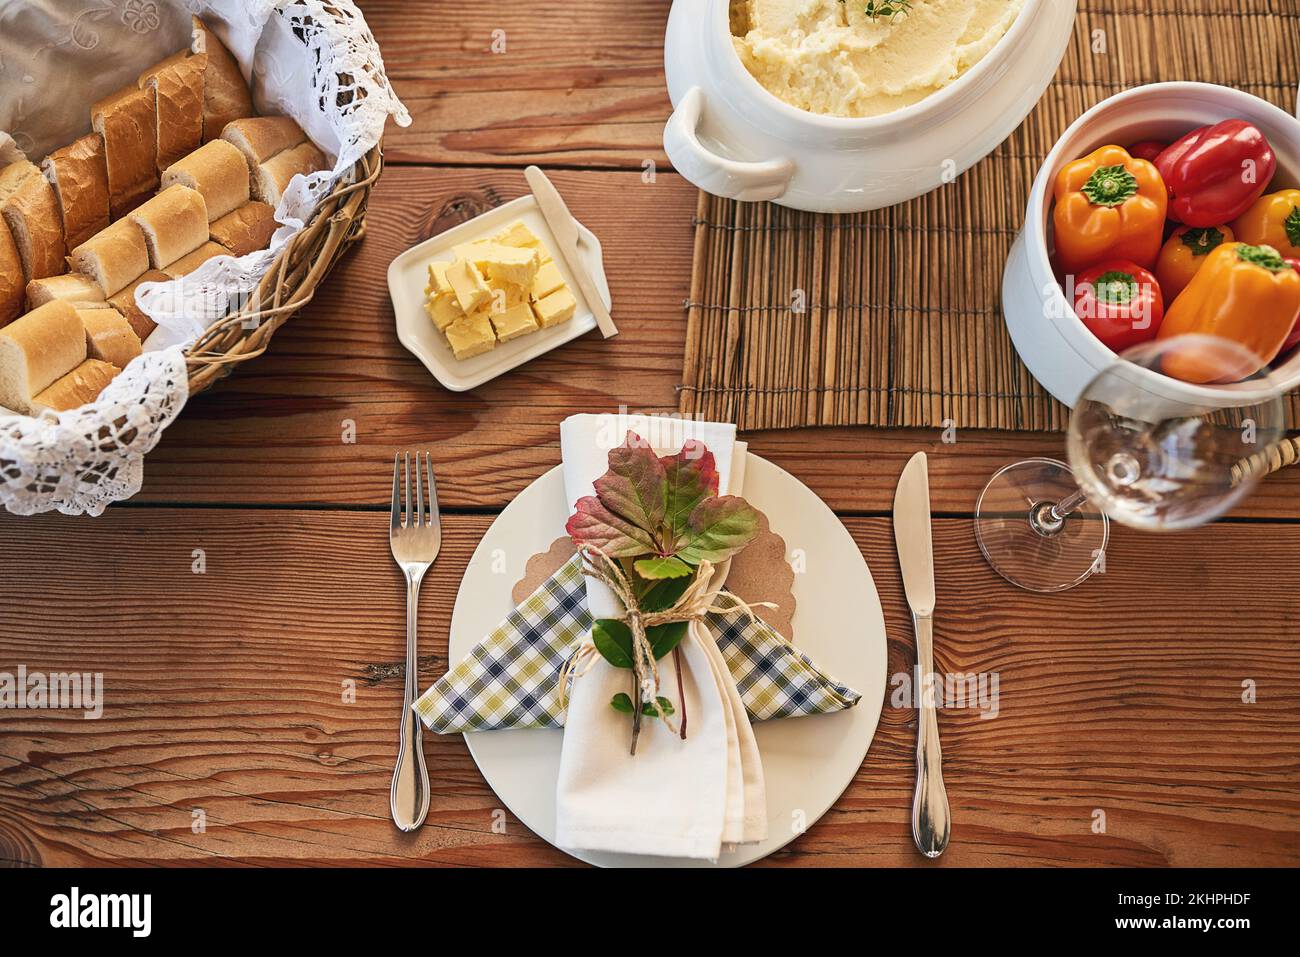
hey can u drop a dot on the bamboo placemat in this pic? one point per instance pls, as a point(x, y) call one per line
point(901, 321)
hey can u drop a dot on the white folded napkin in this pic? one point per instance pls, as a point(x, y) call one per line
point(674, 797)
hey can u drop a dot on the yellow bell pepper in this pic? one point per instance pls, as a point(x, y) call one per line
point(1184, 253)
point(1246, 294)
point(1108, 206)
point(1274, 220)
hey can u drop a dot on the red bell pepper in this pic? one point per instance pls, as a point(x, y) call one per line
point(1120, 303)
point(1293, 339)
point(1147, 150)
point(1215, 173)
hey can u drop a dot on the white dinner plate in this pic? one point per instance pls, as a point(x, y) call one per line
point(807, 762)
point(408, 275)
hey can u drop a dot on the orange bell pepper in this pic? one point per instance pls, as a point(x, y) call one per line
point(1243, 293)
point(1184, 253)
point(1273, 220)
point(1109, 206)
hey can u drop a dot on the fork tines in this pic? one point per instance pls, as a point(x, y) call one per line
point(425, 512)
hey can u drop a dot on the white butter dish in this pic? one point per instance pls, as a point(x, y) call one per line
point(408, 275)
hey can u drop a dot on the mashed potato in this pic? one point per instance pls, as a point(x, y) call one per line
point(829, 56)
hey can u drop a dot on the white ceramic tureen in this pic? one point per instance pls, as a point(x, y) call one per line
point(731, 137)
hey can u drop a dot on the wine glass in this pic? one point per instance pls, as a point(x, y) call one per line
point(1140, 452)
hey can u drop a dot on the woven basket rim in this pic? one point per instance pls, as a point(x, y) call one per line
point(291, 280)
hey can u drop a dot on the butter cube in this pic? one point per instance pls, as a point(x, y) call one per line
point(471, 251)
point(443, 310)
point(468, 285)
point(556, 308)
point(514, 322)
point(517, 234)
point(505, 295)
point(438, 284)
point(470, 336)
point(547, 280)
point(510, 264)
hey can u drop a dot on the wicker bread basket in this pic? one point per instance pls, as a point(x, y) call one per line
point(291, 281)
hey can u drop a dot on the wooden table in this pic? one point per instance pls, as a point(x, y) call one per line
point(236, 599)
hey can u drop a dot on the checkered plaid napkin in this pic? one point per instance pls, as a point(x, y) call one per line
point(511, 678)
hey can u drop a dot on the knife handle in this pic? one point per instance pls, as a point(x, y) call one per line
point(930, 818)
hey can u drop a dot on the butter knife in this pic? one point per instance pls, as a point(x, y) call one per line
point(565, 229)
point(930, 818)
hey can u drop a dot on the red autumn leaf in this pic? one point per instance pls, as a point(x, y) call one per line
point(690, 477)
point(634, 486)
point(593, 524)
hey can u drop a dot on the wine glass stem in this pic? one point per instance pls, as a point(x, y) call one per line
point(1048, 520)
point(1067, 505)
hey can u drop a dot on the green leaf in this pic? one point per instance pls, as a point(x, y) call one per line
point(690, 477)
point(634, 487)
point(718, 528)
point(613, 639)
point(649, 709)
point(664, 638)
point(656, 568)
point(593, 524)
point(621, 702)
point(663, 594)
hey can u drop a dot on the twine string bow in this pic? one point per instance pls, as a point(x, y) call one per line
point(693, 605)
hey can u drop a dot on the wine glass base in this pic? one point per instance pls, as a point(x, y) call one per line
point(1034, 558)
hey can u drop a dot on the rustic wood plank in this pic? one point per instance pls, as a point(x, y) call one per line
point(525, 82)
point(228, 700)
point(273, 431)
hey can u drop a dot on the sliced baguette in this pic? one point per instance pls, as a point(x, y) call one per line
point(174, 223)
point(225, 94)
point(128, 123)
point(187, 264)
point(216, 170)
point(113, 257)
point(109, 336)
point(72, 287)
point(246, 230)
point(124, 302)
point(31, 212)
point(36, 349)
point(11, 277)
point(83, 384)
point(272, 178)
point(176, 85)
point(261, 137)
point(80, 179)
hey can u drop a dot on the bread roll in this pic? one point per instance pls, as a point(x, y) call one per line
point(31, 212)
point(174, 222)
point(225, 94)
point(83, 384)
point(11, 277)
point(71, 287)
point(124, 302)
point(36, 349)
point(272, 178)
point(261, 137)
point(246, 230)
point(109, 336)
point(113, 257)
point(176, 85)
point(187, 264)
point(218, 171)
point(127, 121)
point(80, 180)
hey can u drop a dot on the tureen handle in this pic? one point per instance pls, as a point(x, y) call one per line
point(716, 174)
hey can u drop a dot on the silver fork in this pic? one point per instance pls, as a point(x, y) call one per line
point(415, 539)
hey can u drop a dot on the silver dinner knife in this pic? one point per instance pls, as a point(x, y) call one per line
point(565, 229)
point(930, 818)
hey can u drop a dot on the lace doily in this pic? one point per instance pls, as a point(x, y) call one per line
point(310, 59)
